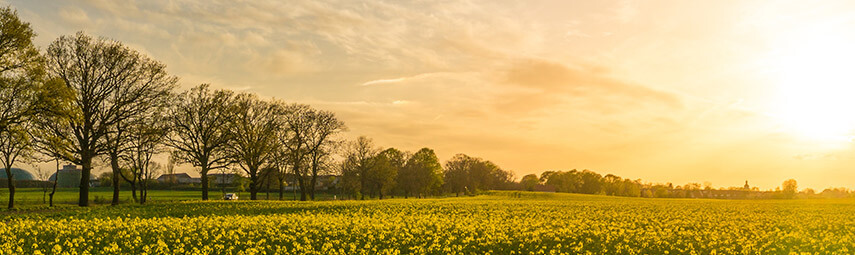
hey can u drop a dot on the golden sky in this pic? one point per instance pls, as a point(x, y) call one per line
point(664, 91)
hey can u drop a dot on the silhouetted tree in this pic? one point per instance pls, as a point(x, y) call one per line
point(591, 182)
point(456, 173)
point(422, 174)
point(198, 134)
point(145, 139)
point(529, 182)
point(357, 165)
point(789, 188)
point(109, 84)
point(320, 143)
point(463, 173)
point(293, 136)
point(384, 171)
point(252, 125)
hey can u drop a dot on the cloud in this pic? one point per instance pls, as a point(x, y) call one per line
point(551, 77)
point(401, 79)
point(74, 16)
point(383, 81)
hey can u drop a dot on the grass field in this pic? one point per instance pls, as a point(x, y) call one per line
point(29, 197)
point(497, 223)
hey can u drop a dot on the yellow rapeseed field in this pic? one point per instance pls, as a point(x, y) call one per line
point(498, 223)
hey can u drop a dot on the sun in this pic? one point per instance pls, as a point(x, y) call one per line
point(814, 76)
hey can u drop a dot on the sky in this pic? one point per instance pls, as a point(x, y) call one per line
point(663, 91)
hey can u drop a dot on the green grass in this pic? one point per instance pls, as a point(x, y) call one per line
point(32, 197)
point(494, 223)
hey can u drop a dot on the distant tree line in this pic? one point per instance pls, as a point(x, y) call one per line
point(590, 182)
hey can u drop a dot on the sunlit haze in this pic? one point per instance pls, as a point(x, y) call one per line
point(663, 91)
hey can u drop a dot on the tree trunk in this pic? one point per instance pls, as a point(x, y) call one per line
point(11, 181)
point(253, 185)
point(299, 176)
point(302, 188)
point(267, 182)
point(281, 189)
point(302, 184)
point(134, 191)
point(143, 191)
point(362, 188)
point(55, 181)
point(83, 198)
point(50, 196)
point(312, 183)
point(204, 182)
point(114, 164)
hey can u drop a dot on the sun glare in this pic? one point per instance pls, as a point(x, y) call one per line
point(813, 73)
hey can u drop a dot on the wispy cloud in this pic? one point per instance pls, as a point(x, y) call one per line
point(384, 81)
point(401, 79)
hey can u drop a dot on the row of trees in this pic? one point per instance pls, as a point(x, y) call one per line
point(375, 172)
point(87, 99)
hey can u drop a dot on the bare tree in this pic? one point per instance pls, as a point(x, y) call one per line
point(157, 86)
point(198, 133)
point(132, 177)
point(293, 137)
point(320, 143)
point(146, 136)
point(43, 177)
point(253, 124)
point(280, 164)
point(109, 83)
point(358, 162)
point(148, 173)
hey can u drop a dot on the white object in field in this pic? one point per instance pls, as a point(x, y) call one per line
point(230, 196)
